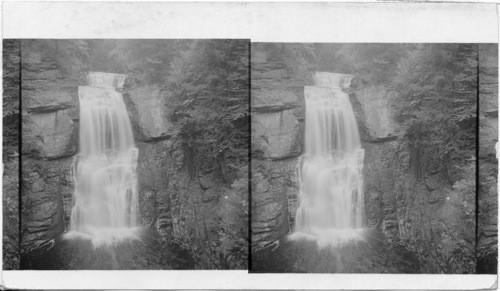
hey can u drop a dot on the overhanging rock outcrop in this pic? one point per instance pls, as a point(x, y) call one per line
point(377, 113)
point(150, 111)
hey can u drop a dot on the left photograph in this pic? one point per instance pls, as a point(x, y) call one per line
point(133, 154)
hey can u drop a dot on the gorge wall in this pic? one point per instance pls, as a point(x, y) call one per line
point(195, 216)
point(277, 140)
point(49, 142)
point(413, 195)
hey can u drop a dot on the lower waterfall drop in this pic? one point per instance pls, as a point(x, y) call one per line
point(105, 202)
point(330, 209)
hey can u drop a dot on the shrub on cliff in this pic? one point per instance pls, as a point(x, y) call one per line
point(437, 88)
point(209, 84)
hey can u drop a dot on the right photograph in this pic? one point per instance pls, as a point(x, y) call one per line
point(374, 158)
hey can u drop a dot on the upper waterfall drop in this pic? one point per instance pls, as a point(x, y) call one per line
point(330, 177)
point(105, 202)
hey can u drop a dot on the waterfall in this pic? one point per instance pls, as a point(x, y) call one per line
point(330, 178)
point(105, 202)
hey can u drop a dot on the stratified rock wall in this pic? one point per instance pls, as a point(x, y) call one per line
point(378, 131)
point(49, 143)
point(277, 141)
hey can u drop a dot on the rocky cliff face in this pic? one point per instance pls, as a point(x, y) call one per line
point(147, 105)
point(376, 113)
point(411, 196)
point(188, 212)
point(377, 126)
point(196, 217)
point(10, 188)
point(277, 141)
point(414, 206)
point(488, 164)
point(49, 142)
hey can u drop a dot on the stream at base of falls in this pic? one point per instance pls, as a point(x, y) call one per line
point(147, 252)
point(371, 255)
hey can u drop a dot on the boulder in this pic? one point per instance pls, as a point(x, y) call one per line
point(151, 112)
point(432, 183)
point(277, 134)
point(51, 135)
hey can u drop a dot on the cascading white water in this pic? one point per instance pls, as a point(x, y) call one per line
point(330, 178)
point(105, 202)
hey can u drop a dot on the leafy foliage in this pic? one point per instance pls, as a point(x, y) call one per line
point(209, 84)
point(72, 55)
point(145, 60)
point(437, 96)
point(370, 63)
point(435, 88)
